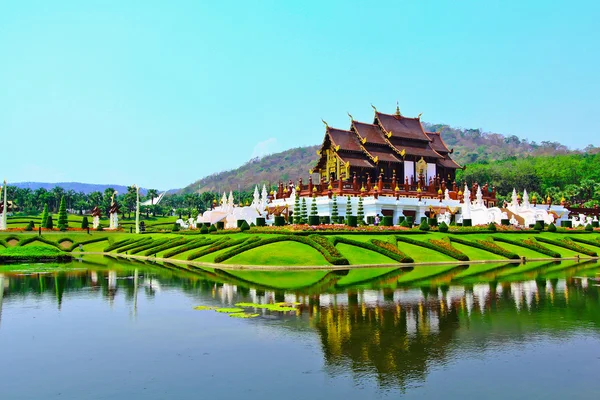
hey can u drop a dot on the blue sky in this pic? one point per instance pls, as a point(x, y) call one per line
point(162, 93)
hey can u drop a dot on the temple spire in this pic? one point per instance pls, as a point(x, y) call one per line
point(398, 110)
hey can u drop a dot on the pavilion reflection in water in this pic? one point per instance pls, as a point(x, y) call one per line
point(393, 333)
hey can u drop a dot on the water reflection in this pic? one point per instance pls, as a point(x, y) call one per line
point(392, 324)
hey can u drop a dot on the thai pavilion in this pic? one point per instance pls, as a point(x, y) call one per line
point(391, 145)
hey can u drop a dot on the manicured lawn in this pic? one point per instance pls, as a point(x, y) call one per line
point(279, 254)
point(475, 253)
point(357, 255)
point(421, 254)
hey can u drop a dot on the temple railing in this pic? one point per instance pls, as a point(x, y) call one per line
point(419, 189)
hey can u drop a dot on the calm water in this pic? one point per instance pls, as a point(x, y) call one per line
point(108, 330)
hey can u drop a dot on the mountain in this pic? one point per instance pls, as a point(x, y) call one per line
point(75, 186)
point(470, 146)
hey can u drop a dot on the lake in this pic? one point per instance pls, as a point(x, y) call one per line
point(102, 328)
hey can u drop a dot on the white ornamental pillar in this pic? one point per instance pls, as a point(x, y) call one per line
point(3, 221)
point(137, 209)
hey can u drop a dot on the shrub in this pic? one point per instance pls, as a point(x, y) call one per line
point(551, 227)
point(595, 243)
point(279, 220)
point(487, 246)
point(74, 245)
point(432, 221)
point(44, 216)
point(313, 206)
point(40, 239)
point(260, 221)
point(569, 245)
point(351, 220)
point(360, 212)
point(334, 209)
point(538, 226)
point(303, 212)
point(30, 226)
point(492, 227)
point(424, 225)
point(410, 220)
point(530, 244)
point(49, 224)
point(166, 246)
point(589, 228)
point(329, 251)
point(175, 227)
point(240, 222)
point(401, 219)
point(467, 222)
point(134, 245)
point(566, 224)
point(313, 220)
point(297, 215)
point(387, 221)
point(84, 222)
point(443, 227)
point(220, 245)
point(440, 246)
point(220, 225)
point(244, 226)
point(63, 223)
point(405, 223)
point(325, 220)
point(213, 227)
point(371, 220)
point(204, 229)
point(190, 246)
point(505, 222)
point(150, 245)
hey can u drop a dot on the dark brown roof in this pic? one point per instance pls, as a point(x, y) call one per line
point(356, 160)
point(347, 140)
point(437, 143)
point(372, 133)
point(419, 151)
point(449, 163)
point(383, 154)
point(402, 127)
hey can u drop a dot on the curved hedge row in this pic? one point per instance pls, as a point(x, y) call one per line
point(261, 242)
point(135, 244)
point(530, 244)
point(120, 243)
point(569, 245)
point(431, 244)
point(40, 239)
point(327, 245)
point(216, 246)
point(378, 246)
point(169, 245)
point(595, 243)
point(487, 246)
point(194, 244)
point(84, 242)
point(150, 245)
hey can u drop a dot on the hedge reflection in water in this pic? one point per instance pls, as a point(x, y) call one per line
point(392, 323)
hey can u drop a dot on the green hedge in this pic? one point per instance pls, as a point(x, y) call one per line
point(169, 245)
point(200, 242)
point(352, 220)
point(313, 220)
point(41, 239)
point(260, 221)
point(566, 224)
point(431, 244)
point(467, 222)
point(120, 243)
point(84, 242)
point(333, 256)
point(218, 245)
point(387, 221)
point(530, 244)
point(279, 220)
point(135, 244)
point(378, 246)
point(487, 246)
point(569, 245)
point(151, 245)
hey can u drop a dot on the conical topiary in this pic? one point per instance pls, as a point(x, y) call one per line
point(492, 227)
point(424, 225)
point(63, 223)
point(84, 222)
point(443, 227)
point(552, 227)
point(334, 210)
point(303, 212)
point(44, 216)
point(348, 208)
point(297, 213)
point(49, 223)
point(360, 213)
point(313, 206)
point(589, 228)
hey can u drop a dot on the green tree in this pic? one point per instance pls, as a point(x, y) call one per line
point(360, 213)
point(84, 222)
point(334, 210)
point(49, 223)
point(313, 206)
point(303, 212)
point(63, 223)
point(297, 214)
point(44, 215)
point(348, 208)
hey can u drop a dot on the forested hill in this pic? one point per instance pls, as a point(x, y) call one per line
point(470, 146)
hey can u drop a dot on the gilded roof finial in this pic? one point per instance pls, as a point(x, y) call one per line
point(398, 110)
point(326, 126)
point(351, 118)
point(374, 107)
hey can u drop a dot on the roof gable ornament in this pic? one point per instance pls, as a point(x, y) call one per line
point(398, 110)
point(374, 107)
point(326, 126)
point(388, 134)
point(351, 118)
point(419, 116)
point(363, 140)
